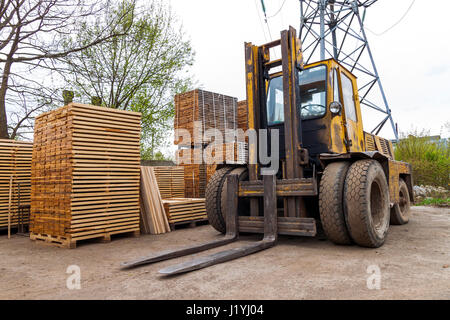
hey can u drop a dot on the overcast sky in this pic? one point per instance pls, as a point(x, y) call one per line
point(413, 58)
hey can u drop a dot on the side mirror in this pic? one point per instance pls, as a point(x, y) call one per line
point(335, 107)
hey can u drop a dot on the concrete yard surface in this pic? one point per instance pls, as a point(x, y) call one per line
point(414, 263)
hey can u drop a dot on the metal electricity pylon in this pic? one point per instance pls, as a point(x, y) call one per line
point(335, 29)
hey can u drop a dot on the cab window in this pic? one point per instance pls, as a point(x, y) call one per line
point(312, 95)
point(349, 102)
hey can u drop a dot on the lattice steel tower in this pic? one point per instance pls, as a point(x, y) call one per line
point(335, 29)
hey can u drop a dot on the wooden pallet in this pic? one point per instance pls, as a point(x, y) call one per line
point(71, 243)
point(85, 172)
point(190, 224)
point(15, 163)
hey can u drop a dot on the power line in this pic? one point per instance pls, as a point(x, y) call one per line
point(279, 10)
point(395, 24)
point(260, 20)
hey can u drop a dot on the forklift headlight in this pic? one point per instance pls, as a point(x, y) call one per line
point(335, 107)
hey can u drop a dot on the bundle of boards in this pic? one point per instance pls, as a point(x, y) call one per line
point(85, 174)
point(15, 173)
point(184, 210)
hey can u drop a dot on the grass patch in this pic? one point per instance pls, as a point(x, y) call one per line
point(430, 160)
point(435, 202)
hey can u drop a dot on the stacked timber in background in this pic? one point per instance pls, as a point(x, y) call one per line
point(85, 174)
point(170, 181)
point(197, 111)
point(15, 163)
point(211, 110)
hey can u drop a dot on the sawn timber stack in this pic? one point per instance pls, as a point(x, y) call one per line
point(15, 162)
point(85, 174)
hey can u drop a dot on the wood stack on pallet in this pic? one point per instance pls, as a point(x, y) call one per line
point(184, 210)
point(211, 110)
point(85, 174)
point(153, 214)
point(170, 181)
point(15, 162)
point(194, 180)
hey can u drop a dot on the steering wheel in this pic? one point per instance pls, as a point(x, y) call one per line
point(313, 104)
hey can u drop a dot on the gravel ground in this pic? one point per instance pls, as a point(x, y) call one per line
point(414, 263)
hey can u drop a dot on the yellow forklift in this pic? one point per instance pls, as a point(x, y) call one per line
point(331, 173)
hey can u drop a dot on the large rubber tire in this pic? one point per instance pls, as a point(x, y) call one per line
point(366, 203)
point(213, 199)
point(400, 211)
point(331, 203)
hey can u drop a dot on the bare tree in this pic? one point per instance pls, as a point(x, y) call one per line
point(32, 33)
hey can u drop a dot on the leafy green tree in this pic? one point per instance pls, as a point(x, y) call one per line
point(31, 34)
point(140, 71)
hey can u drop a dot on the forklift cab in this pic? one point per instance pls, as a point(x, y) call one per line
point(328, 107)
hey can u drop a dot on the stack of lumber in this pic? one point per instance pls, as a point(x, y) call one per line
point(153, 215)
point(211, 110)
point(191, 159)
point(194, 180)
point(15, 162)
point(85, 174)
point(242, 114)
point(170, 181)
point(185, 210)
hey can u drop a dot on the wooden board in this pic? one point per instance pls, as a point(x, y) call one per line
point(85, 171)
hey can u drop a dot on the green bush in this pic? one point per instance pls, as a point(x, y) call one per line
point(429, 159)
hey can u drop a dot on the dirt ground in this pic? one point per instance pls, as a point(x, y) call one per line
point(414, 263)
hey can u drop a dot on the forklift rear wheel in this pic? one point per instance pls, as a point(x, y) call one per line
point(331, 203)
point(400, 211)
point(366, 203)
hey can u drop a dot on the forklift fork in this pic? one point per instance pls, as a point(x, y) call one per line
point(232, 234)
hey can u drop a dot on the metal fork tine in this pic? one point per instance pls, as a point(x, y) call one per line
point(231, 236)
point(270, 237)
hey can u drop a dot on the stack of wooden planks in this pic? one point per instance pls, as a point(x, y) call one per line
point(15, 163)
point(242, 115)
point(211, 110)
point(184, 210)
point(153, 215)
point(170, 181)
point(85, 174)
